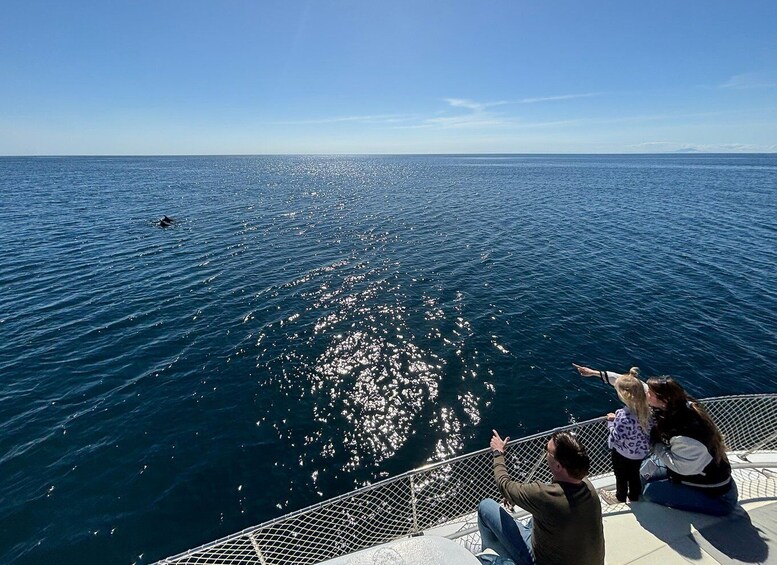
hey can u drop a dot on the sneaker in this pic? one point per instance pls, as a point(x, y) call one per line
point(491, 557)
point(608, 497)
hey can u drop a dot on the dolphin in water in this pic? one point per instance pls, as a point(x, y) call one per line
point(165, 222)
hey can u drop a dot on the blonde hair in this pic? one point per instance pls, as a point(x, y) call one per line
point(632, 393)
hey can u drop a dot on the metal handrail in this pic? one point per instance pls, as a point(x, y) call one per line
point(444, 490)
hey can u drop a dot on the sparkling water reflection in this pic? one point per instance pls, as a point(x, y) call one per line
point(312, 324)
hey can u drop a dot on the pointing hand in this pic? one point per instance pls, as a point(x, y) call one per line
point(497, 442)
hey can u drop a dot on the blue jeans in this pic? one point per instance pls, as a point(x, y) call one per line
point(500, 532)
point(659, 489)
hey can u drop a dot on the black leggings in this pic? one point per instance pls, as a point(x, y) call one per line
point(627, 478)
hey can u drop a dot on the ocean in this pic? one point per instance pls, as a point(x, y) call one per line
point(311, 324)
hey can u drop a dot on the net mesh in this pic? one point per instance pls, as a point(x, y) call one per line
point(431, 496)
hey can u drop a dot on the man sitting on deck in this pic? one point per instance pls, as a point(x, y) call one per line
point(566, 523)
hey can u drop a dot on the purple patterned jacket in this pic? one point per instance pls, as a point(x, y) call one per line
point(626, 437)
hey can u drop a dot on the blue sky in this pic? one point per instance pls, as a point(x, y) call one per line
point(321, 76)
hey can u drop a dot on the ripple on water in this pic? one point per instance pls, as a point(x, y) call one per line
point(312, 324)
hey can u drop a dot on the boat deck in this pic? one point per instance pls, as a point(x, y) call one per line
point(638, 533)
point(648, 533)
point(642, 532)
point(429, 512)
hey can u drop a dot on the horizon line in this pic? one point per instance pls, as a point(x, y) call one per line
point(322, 154)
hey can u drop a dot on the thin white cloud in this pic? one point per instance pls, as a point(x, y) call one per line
point(463, 113)
point(751, 80)
point(480, 106)
point(492, 120)
point(478, 115)
point(470, 121)
point(553, 98)
point(677, 147)
point(373, 119)
point(471, 104)
point(486, 119)
point(654, 144)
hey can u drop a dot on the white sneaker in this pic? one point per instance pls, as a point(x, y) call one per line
point(608, 497)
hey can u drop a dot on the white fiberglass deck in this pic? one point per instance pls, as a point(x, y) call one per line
point(647, 533)
point(438, 501)
point(644, 533)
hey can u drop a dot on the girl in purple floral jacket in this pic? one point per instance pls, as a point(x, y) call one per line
point(629, 439)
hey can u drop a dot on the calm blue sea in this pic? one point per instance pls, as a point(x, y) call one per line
point(312, 324)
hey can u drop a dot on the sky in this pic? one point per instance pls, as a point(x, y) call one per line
point(189, 77)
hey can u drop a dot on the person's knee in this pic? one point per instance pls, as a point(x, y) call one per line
point(485, 505)
point(488, 511)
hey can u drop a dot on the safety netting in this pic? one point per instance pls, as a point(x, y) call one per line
point(443, 492)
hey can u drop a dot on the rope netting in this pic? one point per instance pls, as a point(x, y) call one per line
point(442, 492)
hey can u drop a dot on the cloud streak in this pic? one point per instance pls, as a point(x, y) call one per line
point(472, 105)
point(468, 114)
point(554, 98)
point(472, 114)
point(747, 81)
point(369, 118)
point(480, 115)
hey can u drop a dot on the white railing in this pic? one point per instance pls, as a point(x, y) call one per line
point(441, 492)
